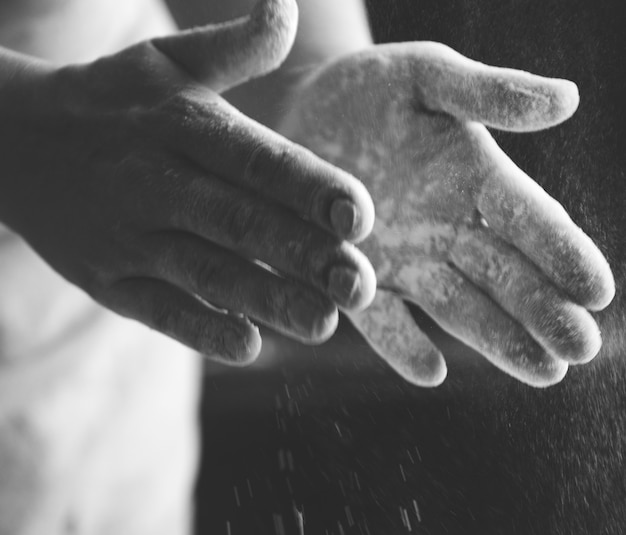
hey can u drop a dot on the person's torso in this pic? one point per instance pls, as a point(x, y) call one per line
point(90, 403)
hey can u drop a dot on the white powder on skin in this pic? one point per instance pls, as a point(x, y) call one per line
point(428, 173)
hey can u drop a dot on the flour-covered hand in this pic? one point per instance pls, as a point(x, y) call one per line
point(139, 183)
point(460, 230)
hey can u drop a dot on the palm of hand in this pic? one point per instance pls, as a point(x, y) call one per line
point(460, 230)
point(415, 164)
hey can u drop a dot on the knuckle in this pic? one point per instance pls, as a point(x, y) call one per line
point(175, 110)
point(267, 163)
point(194, 114)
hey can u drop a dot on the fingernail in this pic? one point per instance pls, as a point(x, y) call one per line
point(344, 284)
point(344, 216)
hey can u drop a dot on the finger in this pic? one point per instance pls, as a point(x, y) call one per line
point(224, 55)
point(161, 306)
point(390, 330)
point(253, 228)
point(470, 315)
point(237, 149)
point(518, 210)
point(565, 329)
point(233, 283)
point(506, 99)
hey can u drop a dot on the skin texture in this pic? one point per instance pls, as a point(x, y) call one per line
point(461, 231)
point(186, 221)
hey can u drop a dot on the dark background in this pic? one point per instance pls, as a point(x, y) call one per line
point(330, 431)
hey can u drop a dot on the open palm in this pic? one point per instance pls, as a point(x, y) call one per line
point(460, 230)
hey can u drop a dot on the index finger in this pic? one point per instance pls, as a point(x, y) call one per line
point(243, 152)
point(522, 213)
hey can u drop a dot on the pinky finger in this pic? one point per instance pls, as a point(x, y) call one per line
point(220, 336)
point(390, 330)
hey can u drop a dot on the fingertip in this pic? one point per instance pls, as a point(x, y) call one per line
point(391, 331)
point(365, 288)
point(438, 374)
point(547, 373)
point(550, 101)
point(530, 103)
point(566, 99)
point(589, 279)
point(366, 214)
point(426, 371)
point(602, 290)
point(588, 347)
point(240, 346)
point(276, 21)
point(576, 338)
point(352, 214)
point(314, 327)
point(591, 340)
point(344, 217)
point(555, 101)
point(323, 331)
point(228, 54)
point(369, 285)
point(589, 343)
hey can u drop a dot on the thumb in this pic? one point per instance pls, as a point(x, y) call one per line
point(228, 54)
point(506, 99)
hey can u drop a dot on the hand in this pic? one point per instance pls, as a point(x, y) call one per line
point(460, 230)
point(136, 181)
